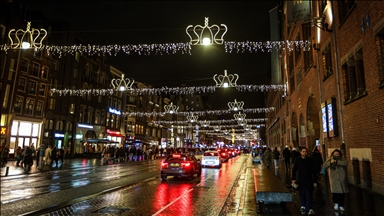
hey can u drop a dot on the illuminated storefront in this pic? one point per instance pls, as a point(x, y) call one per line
point(114, 135)
point(24, 133)
point(86, 132)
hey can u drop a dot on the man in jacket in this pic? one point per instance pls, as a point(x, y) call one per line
point(306, 179)
point(276, 157)
point(287, 157)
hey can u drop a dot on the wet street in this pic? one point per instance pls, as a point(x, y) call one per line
point(85, 187)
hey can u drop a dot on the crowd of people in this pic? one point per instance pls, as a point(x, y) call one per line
point(305, 167)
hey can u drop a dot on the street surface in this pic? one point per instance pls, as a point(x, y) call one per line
point(132, 188)
point(85, 187)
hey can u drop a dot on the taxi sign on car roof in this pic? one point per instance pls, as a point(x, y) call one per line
point(176, 156)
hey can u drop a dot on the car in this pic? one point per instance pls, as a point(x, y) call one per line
point(211, 158)
point(180, 165)
point(224, 156)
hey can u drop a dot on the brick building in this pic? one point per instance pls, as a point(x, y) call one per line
point(335, 94)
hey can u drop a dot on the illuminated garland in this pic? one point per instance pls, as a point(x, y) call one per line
point(210, 121)
point(166, 90)
point(199, 113)
point(212, 131)
point(223, 126)
point(168, 48)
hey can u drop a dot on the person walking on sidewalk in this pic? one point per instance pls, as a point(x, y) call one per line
point(318, 162)
point(276, 157)
point(287, 157)
point(337, 178)
point(267, 157)
point(48, 155)
point(18, 154)
point(4, 155)
point(306, 179)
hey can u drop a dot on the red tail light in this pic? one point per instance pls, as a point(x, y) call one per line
point(185, 164)
point(223, 154)
point(164, 164)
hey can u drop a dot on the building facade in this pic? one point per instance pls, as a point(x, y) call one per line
point(335, 91)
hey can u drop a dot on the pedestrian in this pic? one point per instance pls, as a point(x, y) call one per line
point(28, 159)
point(267, 157)
point(60, 155)
point(276, 157)
point(54, 156)
point(337, 178)
point(41, 154)
point(4, 155)
point(294, 154)
point(287, 157)
point(48, 155)
point(18, 154)
point(318, 162)
point(306, 179)
point(33, 149)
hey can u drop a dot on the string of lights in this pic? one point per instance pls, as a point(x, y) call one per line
point(165, 90)
point(256, 126)
point(210, 121)
point(166, 48)
point(199, 113)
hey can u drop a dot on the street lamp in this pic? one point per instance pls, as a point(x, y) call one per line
point(235, 106)
point(123, 84)
point(206, 36)
point(226, 80)
point(25, 39)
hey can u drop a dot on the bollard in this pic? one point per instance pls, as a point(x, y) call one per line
point(6, 171)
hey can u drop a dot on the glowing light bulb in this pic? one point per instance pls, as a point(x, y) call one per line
point(122, 88)
point(206, 41)
point(171, 112)
point(235, 108)
point(225, 85)
point(25, 45)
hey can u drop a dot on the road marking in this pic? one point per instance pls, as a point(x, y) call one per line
point(171, 203)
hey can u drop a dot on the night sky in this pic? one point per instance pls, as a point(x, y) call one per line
point(134, 22)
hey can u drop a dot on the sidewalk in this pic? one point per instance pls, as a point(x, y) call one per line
point(358, 201)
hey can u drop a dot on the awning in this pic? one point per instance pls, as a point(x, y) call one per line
point(104, 141)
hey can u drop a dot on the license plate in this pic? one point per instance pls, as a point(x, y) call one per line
point(175, 165)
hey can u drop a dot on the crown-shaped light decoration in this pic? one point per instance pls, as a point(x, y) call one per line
point(211, 38)
point(216, 128)
point(192, 118)
point(28, 39)
point(242, 122)
point(236, 106)
point(225, 131)
point(226, 80)
point(204, 123)
point(240, 116)
point(171, 108)
point(122, 84)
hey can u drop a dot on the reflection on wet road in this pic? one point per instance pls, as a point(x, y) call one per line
point(14, 189)
point(146, 194)
point(204, 195)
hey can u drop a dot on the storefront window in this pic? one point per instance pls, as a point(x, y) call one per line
point(12, 145)
point(14, 128)
point(35, 130)
point(25, 129)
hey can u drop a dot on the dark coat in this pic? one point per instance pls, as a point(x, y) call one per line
point(304, 172)
point(54, 153)
point(286, 154)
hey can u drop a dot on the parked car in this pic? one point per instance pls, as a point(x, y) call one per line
point(211, 158)
point(180, 165)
